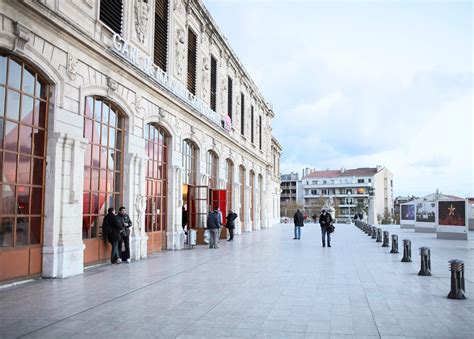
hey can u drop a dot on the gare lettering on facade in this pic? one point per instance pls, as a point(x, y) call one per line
point(144, 63)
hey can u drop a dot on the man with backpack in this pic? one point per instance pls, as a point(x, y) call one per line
point(326, 223)
point(112, 231)
point(213, 225)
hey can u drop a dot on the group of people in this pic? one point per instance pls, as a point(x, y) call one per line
point(116, 229)
point(325, 221)
point(215, 224)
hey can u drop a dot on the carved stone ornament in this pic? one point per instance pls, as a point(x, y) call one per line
point(112, 85)
point(71, 66)
point(193, 130)
point(22, 35)
point(177, 124)
point(178, 6)
point(140, 205)
point(141, 19)
point(205, 77)
point(223, 94)
point(139, 106)
point(180, 52)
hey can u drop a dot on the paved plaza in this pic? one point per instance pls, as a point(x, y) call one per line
point(264, 284)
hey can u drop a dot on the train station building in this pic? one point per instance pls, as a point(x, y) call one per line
point(141, 104)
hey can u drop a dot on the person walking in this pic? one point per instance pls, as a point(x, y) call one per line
point(231, 224)
point(112, 232)
point(299, 222)
point(221, 223)
point(213, 227)
point(124, 243)
point(325, 221)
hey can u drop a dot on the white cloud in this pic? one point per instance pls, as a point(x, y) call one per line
point(364, 85)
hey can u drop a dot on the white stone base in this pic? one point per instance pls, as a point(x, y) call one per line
point(175, 240)
point(451, 236)
point(405, 226)
point(138, 247)
point(63, 261)
point(425, 230)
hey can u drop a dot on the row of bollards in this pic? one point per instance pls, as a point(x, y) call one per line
point(456, 266)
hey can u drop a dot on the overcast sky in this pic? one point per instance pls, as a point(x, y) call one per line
point(360, 84)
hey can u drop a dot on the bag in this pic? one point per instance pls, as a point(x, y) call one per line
point(207, 236)
point(331, 228)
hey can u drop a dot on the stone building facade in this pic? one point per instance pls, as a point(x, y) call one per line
point(135, 103)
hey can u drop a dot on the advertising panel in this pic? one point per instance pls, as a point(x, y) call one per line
point(426, 212)
point(452, 213)
point(407, 212)
point(407, 215)
point(451, 219)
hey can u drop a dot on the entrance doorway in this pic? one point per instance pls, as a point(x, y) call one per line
point(103, 168)
point(156, 215)
point(23, 135)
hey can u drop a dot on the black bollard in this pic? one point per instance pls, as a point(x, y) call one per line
point(457, 279)
point(394, 244)
point(374, 232)
point(385, 239)
point(379, 235)
point(369, 231)
point(406, 250)
point(425, 255)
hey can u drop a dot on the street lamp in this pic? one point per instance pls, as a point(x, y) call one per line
point(349, 200)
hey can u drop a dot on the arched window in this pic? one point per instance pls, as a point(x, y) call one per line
point(230, 182)
point(156, 178)
point(189, 151)
point(242, 196)
point(23, 126)
point(252, 197)
point(212, 162)
point(103, 163)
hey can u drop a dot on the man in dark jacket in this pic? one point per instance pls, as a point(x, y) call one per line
point(124, 220)
point(299, 222)
point(213, 227)
point(231, 224)
point(112, 232)
point(325, 220)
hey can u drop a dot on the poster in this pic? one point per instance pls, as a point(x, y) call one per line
point(452, 213)
point(426, 212)
point(408, 212)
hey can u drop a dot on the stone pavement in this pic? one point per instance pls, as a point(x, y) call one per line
point(264, 284)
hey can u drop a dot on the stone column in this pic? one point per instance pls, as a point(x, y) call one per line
point(135, 202)
point(63, 248)
point(174, 233)
point(237, 207)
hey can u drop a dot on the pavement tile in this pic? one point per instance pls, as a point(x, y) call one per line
point(262, 285)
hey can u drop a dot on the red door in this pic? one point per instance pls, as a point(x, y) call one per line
point(219, 199)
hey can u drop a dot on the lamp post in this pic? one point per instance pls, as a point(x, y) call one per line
point(349, 201)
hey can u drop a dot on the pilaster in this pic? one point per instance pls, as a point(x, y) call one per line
point(63, 248)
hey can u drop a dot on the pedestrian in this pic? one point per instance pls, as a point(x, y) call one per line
point(213, 227)
point(184, 215)
point(124, 243)
point(221, 223)
point(231, 224)
point(112, 232)
point(299, 222)
point(325, 221)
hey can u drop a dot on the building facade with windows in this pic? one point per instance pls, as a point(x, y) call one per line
point(291, 189)
point(350, 188)
point(141, 104)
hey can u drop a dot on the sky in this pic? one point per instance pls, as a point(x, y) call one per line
point(361, 84)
